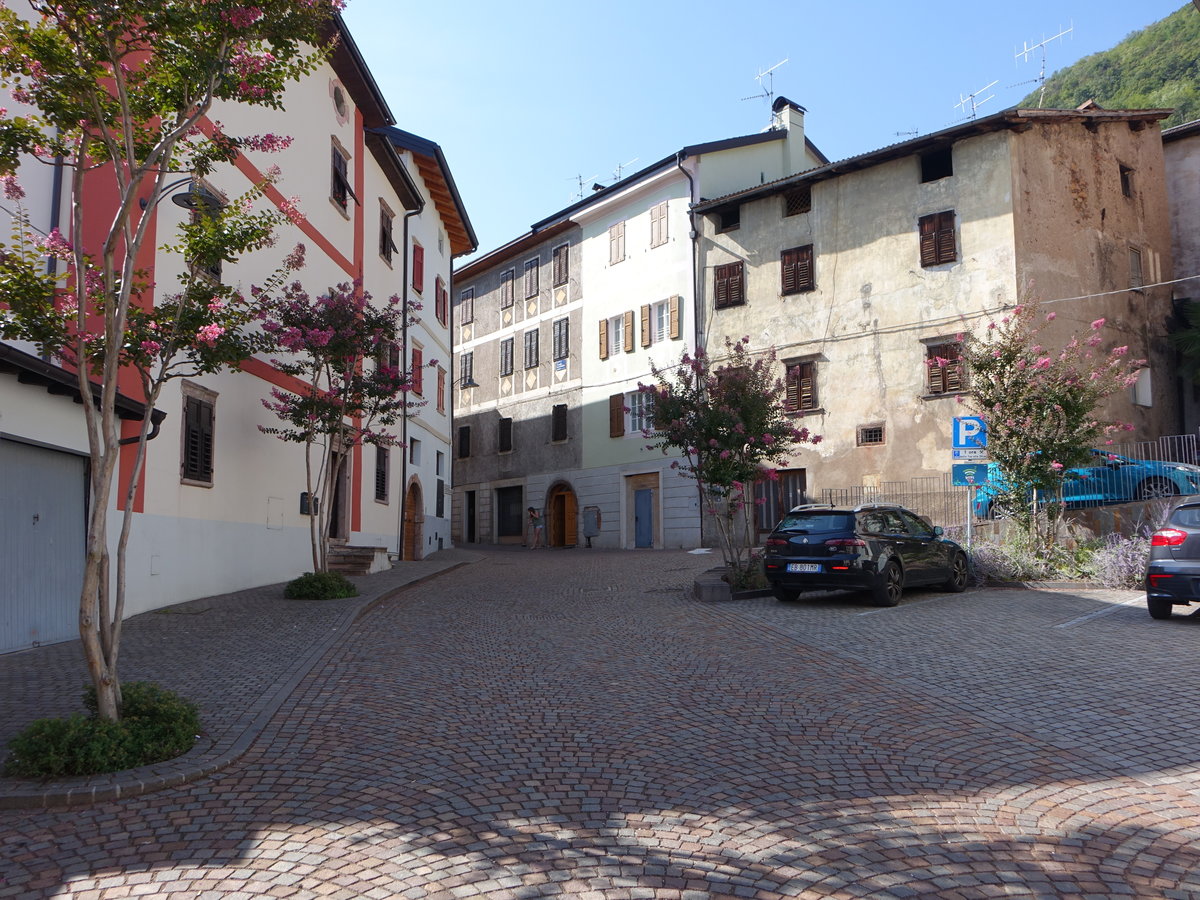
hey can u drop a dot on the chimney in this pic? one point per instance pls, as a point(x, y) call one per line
point(789, 116)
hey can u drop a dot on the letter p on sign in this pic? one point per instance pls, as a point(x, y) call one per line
point(969, 431)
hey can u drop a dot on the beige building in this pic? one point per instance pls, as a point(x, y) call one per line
point(861, 273)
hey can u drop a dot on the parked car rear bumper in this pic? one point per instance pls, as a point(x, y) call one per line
point(1174, 580)
point(858, 575)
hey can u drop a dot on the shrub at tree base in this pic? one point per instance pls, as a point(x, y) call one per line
point(320, 586)
point(155, 725)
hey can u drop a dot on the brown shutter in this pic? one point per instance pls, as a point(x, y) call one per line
point(787, 263)
point(676, 326)
point(604, 338)
point(646, 325)
point(808, 385)
point(616, 415)
point(927, 227)
point(792, 397)
point(629, 331)
point(946, 251)
point(721, 286)
point(735, 285)
point(804, 269)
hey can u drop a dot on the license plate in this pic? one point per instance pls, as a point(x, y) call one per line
point(804, 567)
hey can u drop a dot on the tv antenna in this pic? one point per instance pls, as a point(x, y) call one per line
point(973, 102)
point(579, 182)
point(1028, 48)
point(617, 172)
point(766, 91)
point(906, 134)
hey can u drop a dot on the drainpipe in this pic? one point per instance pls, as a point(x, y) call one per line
point(697, 307)
point(404, 411)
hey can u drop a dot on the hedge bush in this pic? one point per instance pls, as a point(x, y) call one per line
point(155, 725)
point(320, 586)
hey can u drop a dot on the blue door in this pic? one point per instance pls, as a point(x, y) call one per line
point(643, 518)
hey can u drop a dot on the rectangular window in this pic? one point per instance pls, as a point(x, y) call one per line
point(507, 292)
point(946, 368)
point(616, 243)
point(616, 335)
point(562, 265)
point(798, 200)
point(1135, 268)
point(381, 474)
point(464, 441)
point(440, 464)
point(1126, 180)
point(658, 224)
point(466, 306)
point(440, 509)
point(417, 375)
point(198, 421)
point(531, 278)
point(504, 440)
point(869, 435)
point(441, 299)
point(729, 219)
point(531, 349)
point(466, 364)
point(728, 285)
point(418, 267)
point(414, 451)
point(797, 270)
point(562, 338)
point(937, 164)
point(340, 191)
point(656, 319)
point(641, 411)
point(801, 386)
point(937, 238)
point(506, 356)
point(558, 422)
point(441, 391)
point(386, 245)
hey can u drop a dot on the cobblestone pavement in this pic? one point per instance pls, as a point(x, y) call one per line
point(570, 724)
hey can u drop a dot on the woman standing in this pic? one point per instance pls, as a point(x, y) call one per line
point(535, 527)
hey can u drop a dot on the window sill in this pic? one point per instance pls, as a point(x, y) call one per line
point(730, 305)
point(344, 211)
point(195, 482)
point(801, 413)
point(945, 395)
point(381, 502)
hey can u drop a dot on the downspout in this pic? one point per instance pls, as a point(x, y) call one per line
point(698, 332)
point(404, 412)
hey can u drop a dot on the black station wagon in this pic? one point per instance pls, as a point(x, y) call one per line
point(879, 548)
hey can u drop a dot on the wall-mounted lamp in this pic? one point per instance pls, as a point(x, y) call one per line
point(465, 383)
point(198, 198)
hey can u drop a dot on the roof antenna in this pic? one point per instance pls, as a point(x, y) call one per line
point(1030, 48)
point(579, 182)
point(618, 171)
point(767, 91)
point(975, 104)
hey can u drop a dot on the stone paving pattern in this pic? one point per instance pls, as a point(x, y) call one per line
point(572, 724)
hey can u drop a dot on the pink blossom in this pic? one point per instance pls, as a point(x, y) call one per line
point(12, 189)
point(1043, 363)
point(151, 347)
point(1051, 316)
point(1056, 466)
point(215, 305)
point(1098, 324)
point(209, 334)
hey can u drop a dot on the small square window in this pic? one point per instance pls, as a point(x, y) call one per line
point(1126, 181)
point(798, 200)
point(869, 435)
point(936, 164)
point(729, 219)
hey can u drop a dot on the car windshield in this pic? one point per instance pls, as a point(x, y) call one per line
point(817, 520)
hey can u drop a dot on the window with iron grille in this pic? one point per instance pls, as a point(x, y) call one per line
point(946, 368)
point(616, 243)
point(562, 264)
point(507, 292)
point(562, 338)
point(937, 164)
point(937, 238)
point(199, 418)
point(504, 436)
point(728, 285)
point(506, 356)
point(558, 422)
point(464, 441)
point(466, 306)
point(797, 273)
point(801, 386)
point(798, 200)
point(658, 224)
point(531, 349)
point(869, 435)
point(381, 474)
point(641, 411)
point(531, 278)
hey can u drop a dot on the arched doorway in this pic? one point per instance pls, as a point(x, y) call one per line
point(414, 519)
point(563, 510)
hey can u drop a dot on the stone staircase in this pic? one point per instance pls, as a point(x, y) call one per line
point(357, 560)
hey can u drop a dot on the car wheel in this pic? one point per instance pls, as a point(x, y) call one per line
point(959, 574)
point(1154, 488)
point(1159, 608)
point(890, 585)
point(787, 595)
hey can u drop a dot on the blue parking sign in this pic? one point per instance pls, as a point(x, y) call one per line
point(969, 431)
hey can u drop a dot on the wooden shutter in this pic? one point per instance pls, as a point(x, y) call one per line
point(507, 280)
point(616, 415)
point(604, 338)
point(561, 264)
point(562, 339)
point(945, 376)
point(675, 325)
point(558, 422)
point(937, 238)
point(787, 263)
point(418, 273)
point(531, 279)
point(804, 269)
point(441, 391)
point(418, 372)
point(735, 284)
point(801, 386)
point(721, 286)
point(927, 228)
point(506, 356)
point(616, 243)
point(728, 285)
point(646, 325)
point(629, 331)
point(946, 250)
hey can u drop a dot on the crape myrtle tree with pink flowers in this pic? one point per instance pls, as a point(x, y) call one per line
point(345, 351)
point(119, 94)
point(727, 419)
point(1041, 408)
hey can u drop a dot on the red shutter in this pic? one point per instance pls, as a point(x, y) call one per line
point(418, 373)
point(418, 273)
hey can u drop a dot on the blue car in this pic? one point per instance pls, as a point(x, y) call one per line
point(1113, 479)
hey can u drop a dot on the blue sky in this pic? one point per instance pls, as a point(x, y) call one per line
point(527, 98)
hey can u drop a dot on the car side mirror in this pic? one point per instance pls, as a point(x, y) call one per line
point(937, 530)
